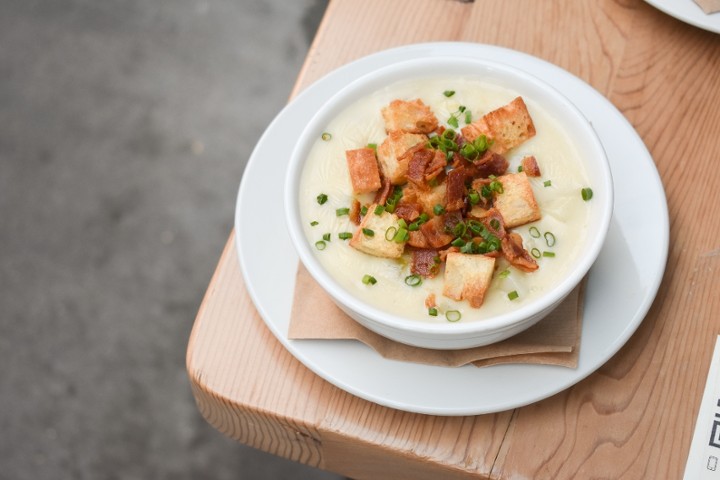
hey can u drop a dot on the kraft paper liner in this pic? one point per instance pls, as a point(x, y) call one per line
point(555, 340)
point(709, 6)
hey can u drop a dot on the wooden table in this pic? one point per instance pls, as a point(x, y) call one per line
point(634, 417)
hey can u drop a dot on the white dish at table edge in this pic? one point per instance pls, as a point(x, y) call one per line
point(620, 289)
point(689, 12)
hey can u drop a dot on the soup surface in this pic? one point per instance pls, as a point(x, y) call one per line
point(564, 213)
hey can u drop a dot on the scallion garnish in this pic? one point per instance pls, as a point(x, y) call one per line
point(449, 93)
point(549, 239)
point(520, 168)
point(432, 311)
point(372, 145)
point(453, 315)
point(438, 209)
point(458, 242)
point(535, 253)
point(402, 235)
point(363, 210)
point(369, 280)
point(548, 254)
point(459, 229)
point(342, 211)
point(390, 233)
point(314, 222)
point(468, 117)
point(379, 209)
point(473, 197)
point(513, 295)
point(495, 223)
point(547, 183)
point(320, 245)
point(496, 186)
point(413, 280)
point(504, 274)
point(453, 121)
point(326, 237)
point(368, 233)
point(322, 198)
point(344, 235)
point(586, 193)
point(326, 136)
point(534, 232)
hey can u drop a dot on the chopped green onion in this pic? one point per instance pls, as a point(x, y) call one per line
point(320, 245)
point(504, 274)
point(485, 191)
point(432, 311)
point(314, 222)
point(413, 227)
point(534, 232)
point(473, 197)
point(535, 253)
point(586, 193)
point(379, 209)
point(468, 117)
point(326, 136)
point(342, 211)
point(402, 223)
point(369, 280)
point(402, 235)
point(344, 235)
point(372, 145)
point(413, 280)
point(326, 237)
point(449, 93)
point(424, 217)
point(449, 134)
point(390, 233)
point(363, 210)
point(548, 254)
point(453, 121)
point(459, 229)
point(549, 239)
point(496, 186)
point(461, 108)
point(438, 209)
point(513, 295)
point(547, 183)
point(368, 233)
point(453, 315)
point(520, 168)
point(458, 242)
point(495, 223)
point(322, 198)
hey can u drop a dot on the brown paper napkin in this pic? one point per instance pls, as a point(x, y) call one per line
point(555, 340)
point(709, 6)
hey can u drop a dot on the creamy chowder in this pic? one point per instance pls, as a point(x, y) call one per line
point(555, 239)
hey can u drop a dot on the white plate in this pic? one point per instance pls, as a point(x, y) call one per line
point(689, 12)
point(620, 289)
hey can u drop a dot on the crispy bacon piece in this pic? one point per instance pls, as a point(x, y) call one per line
point(425, 262)
point(383, 193)
point(456, 191)
point(490, 163)
point(496, 227)
point(416, 168)
point(444, 253)
point(418, 240)
point(430, 301)
point(512, 249)
point(355, 212)
point(530, 166)
point(435, 233)
point(408, 211)
point(436, 167)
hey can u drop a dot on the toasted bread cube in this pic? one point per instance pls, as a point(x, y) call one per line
point(364, 172)
point(409, 116)
point(467, 277)
point(517, 203)
point(377, 245)
point(507, 126)
point(429, 198)
point(391, 154)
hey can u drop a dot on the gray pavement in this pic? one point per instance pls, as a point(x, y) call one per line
point(124, 130)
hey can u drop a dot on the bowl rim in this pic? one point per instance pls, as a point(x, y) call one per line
point(363, 86)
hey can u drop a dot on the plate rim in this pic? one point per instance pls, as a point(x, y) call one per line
point(689, 13)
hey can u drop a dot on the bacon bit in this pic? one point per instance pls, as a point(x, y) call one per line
point(408, 211)
point(430, 301)
point(355, 212)
point(385, 188)
point(487, 220)
point(451, 219)
point(512, 249)
point(416, 168)
point(436, 166)
point(530, 166)
point(425, 262)
point(456, 191)
point(444, 253)
point(491, 163)
point(434, 232)
point(417, 239)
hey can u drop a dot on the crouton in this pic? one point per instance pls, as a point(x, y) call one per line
point(429, 198)
point(507, 126)
point(364, 172)
point(467, 277)
point(516, 203)
point(375, 243)
point(392, 154)
point(409, 116)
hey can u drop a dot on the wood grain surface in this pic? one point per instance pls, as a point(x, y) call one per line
point(634, 417)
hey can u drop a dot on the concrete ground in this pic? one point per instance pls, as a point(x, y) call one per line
point(124, 130)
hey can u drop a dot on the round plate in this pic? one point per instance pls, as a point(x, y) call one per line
point(689, 12)
point(620, 289)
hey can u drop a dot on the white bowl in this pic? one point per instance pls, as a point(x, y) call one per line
point(471, 334)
